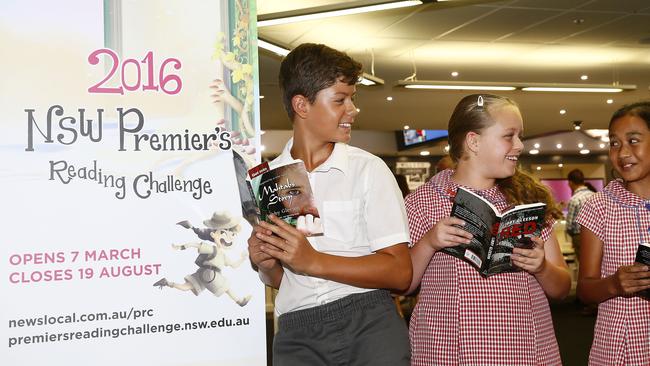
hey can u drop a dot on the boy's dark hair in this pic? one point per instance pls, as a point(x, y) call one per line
point(310, 68)
point(576, 176)
point(638, 109)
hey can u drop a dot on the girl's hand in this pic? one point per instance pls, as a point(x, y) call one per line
point(288, 245)
point(631, 279)
point(443, 234)
point(531, 260)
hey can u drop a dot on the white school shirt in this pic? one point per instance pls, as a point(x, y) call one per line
point(362, 211)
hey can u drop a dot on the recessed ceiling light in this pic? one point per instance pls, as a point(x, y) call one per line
point(533, 152)
point(454, 73)
point(562, 111)
point(610, 101)
point(425, 153)
point(536, 146)
point(584, 151)
point(446, 148)
point(261, 97)
point(581, 145)
point(602, 146)
point(358, 110)
point(577, 125)
point(389, 98)
point(539, 168)
point(559, 146)
point(406, 127)
point(584, 77)
point(560, 165)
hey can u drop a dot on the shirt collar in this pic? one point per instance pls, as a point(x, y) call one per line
point(444, 183)
point(616, 189)
point(338, 159)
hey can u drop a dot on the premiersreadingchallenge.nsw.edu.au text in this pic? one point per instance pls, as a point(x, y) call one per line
point(108, 332)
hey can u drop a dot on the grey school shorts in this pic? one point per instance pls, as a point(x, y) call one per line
point(360, 329)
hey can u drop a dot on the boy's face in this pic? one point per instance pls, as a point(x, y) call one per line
point(332, 114)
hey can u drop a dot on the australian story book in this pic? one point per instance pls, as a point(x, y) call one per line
point(283, 190)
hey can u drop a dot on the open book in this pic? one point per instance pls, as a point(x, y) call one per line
point(282, 190)
point(495, 234)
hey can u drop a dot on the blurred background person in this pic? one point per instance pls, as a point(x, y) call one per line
point(580, 194)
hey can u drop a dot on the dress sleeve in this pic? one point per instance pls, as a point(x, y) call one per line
point(416, 204)
point(592, 214)
point(548, 229)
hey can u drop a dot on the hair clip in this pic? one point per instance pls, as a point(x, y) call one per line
point(480, 101)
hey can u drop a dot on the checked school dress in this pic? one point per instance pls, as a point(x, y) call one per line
point(620, 219)
point(462, 318)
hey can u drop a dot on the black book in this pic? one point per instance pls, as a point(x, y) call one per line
point(643, 257)
point(495, 233)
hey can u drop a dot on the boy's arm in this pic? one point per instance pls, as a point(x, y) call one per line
point(388, 268)
point(271, 277)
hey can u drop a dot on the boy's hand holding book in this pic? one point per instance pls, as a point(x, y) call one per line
point(258, 257)
point(289, 245)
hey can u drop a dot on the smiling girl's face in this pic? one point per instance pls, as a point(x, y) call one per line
point(500, 144)
point(629, 152)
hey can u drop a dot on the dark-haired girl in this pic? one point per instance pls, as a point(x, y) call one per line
point(614, 223)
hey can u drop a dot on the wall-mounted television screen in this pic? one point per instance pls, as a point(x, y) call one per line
point(407, 139)
point(562, 193)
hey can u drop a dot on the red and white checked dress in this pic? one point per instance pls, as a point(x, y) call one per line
point(620, 219)
point(462, 318)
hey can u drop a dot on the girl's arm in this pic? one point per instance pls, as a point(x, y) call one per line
point(442, 234)
point(592, 288)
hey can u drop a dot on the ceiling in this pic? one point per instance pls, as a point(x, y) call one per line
point(550, 41)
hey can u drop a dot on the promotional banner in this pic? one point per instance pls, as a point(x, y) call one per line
point(123, 241)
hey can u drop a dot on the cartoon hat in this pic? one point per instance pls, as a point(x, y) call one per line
point(221, 220)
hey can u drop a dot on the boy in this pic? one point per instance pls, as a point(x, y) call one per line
point(329, 306)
